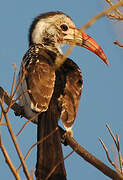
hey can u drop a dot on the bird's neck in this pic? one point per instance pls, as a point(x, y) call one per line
point(53, 51)
point(53, 47)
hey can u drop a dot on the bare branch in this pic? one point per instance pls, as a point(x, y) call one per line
point(52, 171)
point(21, 80)
point(115, 158)
point(108, 157)
point(91, 159)
point(36, 115)
point(117, 43)
point(117, 144)
point(98, 16)
point(8, 161)
point(116, 141)
point(19, 110)
point(15, 142)
point(14, 80)
point(119, 154)
point(117, 13)
point(106, 151)
point(3, 124)
point(37, 143)
point(77, 148)
point(21, 95)
point(112, 135)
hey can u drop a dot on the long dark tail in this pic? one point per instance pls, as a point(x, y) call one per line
point(49, 152)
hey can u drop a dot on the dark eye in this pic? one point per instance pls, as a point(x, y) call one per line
point(64, 27)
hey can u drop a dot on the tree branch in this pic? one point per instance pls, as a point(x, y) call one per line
point(71, 142)
point(9, 162)
point(15, 141)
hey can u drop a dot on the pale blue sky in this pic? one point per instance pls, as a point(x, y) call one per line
point(102, 98)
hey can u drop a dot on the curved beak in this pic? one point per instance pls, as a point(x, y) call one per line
point(76, 37)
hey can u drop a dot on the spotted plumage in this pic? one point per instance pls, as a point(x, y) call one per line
point(44, 83)
point(53, 92)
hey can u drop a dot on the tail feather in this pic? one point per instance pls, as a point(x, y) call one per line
point(49, 152)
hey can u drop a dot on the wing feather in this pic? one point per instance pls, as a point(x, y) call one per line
point(72, 93)
point(39, 79)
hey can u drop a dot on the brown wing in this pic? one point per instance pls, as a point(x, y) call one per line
point(72, 93)
point(40, 79)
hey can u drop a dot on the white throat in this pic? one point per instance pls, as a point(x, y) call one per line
point(41, 28)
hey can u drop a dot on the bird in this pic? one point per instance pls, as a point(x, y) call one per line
point(52, 92)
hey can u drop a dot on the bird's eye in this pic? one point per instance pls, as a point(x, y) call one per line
point(64, 27)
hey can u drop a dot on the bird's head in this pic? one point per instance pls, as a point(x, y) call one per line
point(54, 29)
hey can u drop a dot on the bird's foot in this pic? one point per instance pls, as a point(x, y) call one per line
point(67, 133)
point(63, 139)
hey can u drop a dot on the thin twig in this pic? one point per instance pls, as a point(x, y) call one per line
point(106, 151)
point(22, 78)
point(98, 16)
point(117, 144)
point(92, 159)
point(119, 154)
point(106, 170)
point(3, 124)
point(116, 10)
point(114, 17)
point(117, 43)
point(21, 95)
point(115, 159)
point(15, 143)
point(37, 143)
point(108, 157)
point(32, 173)
point(1, 117)
point(60, 61)
point(35, 116)
point(14, 80)
point(117, 15)
point(12, 89)
point(116, 141)
point(111, 133)
point(9, 162)
point(75, 146)
point(52, 171)
point(2, 101)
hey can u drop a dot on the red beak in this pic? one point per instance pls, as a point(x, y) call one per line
point(91, 44)
point(76, 37)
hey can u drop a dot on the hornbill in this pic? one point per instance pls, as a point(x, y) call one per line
point(54, 92)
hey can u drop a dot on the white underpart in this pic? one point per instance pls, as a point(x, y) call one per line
point(38, 31)
point(25, 100)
